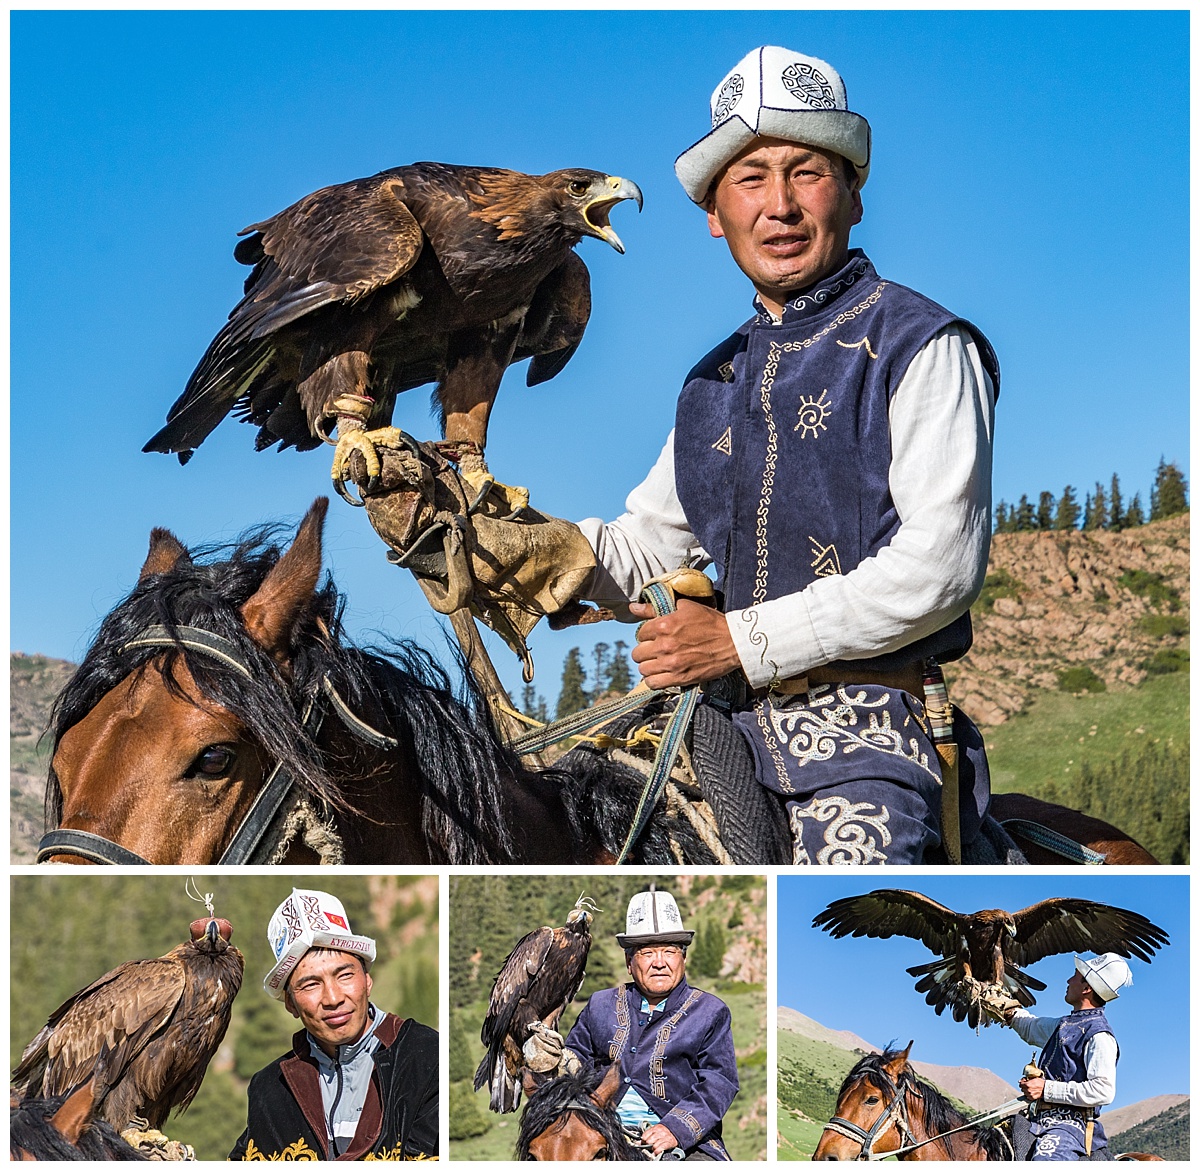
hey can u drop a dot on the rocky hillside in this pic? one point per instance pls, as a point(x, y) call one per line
point(1167, 1134)
point(1124, 1117)
point(1112, 603)
point(34, 681)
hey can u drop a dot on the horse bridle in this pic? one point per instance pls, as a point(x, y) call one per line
point(250, 843)
point(896, 1113)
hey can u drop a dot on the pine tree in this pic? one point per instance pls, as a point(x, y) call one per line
point(1067, 515)
point(572, 696)
point(1045, 511)
point(1023, 521)
point(1004, 518)
point(1095, 515)
point(1168, 496)
point(1116, 506)
point(708, 949)
point(600, 657)
point(1134, 516)
point(620, 678)
point(532, 704)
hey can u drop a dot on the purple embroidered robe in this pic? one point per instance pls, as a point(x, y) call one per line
point(680, 1060)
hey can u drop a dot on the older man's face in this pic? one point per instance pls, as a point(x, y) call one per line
point(786, 211)
point(329, 992)
point(656, 969)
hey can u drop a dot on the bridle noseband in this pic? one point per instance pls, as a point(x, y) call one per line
point(896, 1113)
point(250, 843)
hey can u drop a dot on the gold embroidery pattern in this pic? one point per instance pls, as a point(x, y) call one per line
point(725, 370)
point(725, 444)
point(813, 412)
point(688, 1120)
point(617, 1045)
point(756, 637)
point(828, 724)
point(825, 562)
point(848, 841)
point(764, 391)
point(396, 1155)
point(862, 345)
point(658, 1082)
point(298, 1152)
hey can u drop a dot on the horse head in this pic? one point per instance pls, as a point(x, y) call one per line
point(872, 1115)
point(574, 1118)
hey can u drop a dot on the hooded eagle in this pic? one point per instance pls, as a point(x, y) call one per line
point(983, 953)
point(143, 1034)
point(363, 290)
point(539, 979)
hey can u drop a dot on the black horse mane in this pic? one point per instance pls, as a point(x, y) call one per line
point(30, 1130)
point(940, 1115)
point(573, 1092)
point(447, 738)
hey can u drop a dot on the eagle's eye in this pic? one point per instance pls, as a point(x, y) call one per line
point(578, 187)
point(213, 762)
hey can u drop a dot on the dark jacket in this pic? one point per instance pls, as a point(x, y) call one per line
point(399, 1120)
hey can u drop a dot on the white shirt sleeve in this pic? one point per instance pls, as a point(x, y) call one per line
point(1036, 1030)
point(1100, 1088)
point(940, 422)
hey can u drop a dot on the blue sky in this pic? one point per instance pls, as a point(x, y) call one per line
point(861, 984)
point(1025, 174)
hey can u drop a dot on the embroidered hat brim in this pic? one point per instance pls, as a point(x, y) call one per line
point(841, 131)
point(681, 938)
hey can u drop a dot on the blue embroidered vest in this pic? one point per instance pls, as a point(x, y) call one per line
point(1062, 1059)
point(782, 447)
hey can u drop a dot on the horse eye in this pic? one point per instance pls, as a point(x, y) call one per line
point(600, 1155)
point(213, 762)
point(871, 1101)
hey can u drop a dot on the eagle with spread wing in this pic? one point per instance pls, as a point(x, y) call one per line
point(539, 979)
point(981, 955)
point(144, 1033)
point(424, 273)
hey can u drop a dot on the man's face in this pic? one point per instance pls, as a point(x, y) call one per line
point(656, 970)
point(786, 211)
point(1078, 990)
point(329, 992)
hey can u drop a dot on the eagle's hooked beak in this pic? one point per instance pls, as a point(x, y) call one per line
point(610, 191)
point(212, 932)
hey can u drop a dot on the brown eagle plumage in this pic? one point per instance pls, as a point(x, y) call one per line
point(424, 273)
point(987, 949)
point(146, 1031)
point(538, 980)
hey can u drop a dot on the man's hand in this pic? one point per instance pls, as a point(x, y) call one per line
point(659, 1139)
point(690, 646)
point(1033, 1087)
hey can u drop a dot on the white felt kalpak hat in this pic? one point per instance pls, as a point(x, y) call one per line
point(307, 919)
point(776, 93)
point(1106, 975)
point(652, 918)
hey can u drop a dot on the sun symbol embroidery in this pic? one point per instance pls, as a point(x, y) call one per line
point(813, 413)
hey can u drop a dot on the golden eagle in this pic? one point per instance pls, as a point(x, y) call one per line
point(539, 979)
point(362, 290)
point(982, 954)
point(145, 1032)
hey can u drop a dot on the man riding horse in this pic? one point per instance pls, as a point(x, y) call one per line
point(833, 459)
point(673, 1042)
point(1078, 1064)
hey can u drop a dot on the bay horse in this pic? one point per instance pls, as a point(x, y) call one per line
point(574, 1117)
point(883, 1106)
point(220, 716)
point(63, 1128)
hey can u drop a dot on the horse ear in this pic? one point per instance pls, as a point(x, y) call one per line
point(606, 1092)
point(277, 604)
point(75, 1113)
point(166, 551)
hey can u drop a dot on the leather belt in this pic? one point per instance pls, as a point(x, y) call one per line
point(906, 678)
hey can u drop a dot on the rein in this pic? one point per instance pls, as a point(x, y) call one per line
point(898, 1112)
point(250, 842)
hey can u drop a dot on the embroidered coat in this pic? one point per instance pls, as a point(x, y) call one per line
point(680, 1060)
point(795, 487)
point(399, 1119)
point(1063, 1059)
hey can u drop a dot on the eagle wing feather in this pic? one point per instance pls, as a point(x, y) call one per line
point(884, 913)
point(1056, 926)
